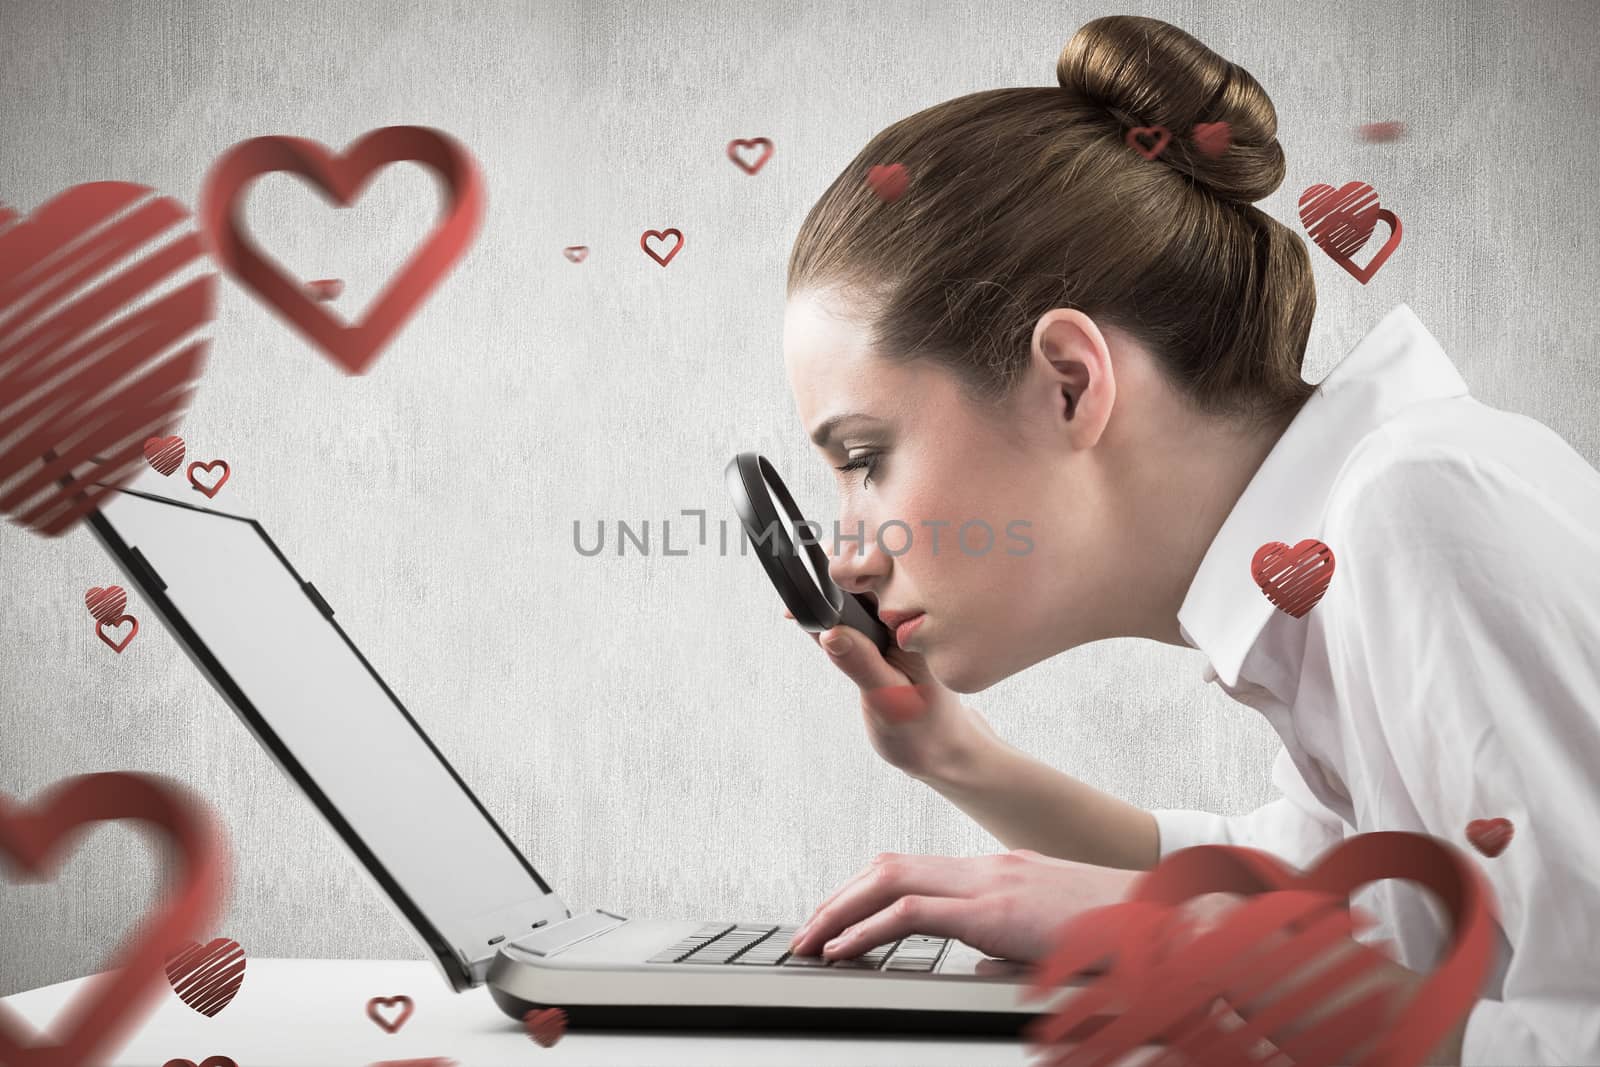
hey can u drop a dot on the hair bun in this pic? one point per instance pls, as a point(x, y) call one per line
point(1146, 72)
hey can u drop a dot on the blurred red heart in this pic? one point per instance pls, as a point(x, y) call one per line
point(117, 646)
point(1381, 131)
point(325, 289)
point(101, 1014)
point(889, 181)
point(209, 1061)
point(1294, 579)
point(1340, 221)
point(211, 490)
point(546, 1026)
point(1158, 137)
point(1490, 836)
point(207, 977)
point(755, 142)
point(164, 453)
point(342, 177)
point(1211, 138)
point(97, 344)
point(406, 1008)
point(106, 603)
point(576, 253)
point(661, 235)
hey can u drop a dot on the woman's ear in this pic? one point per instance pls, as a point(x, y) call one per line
point(1074, 361)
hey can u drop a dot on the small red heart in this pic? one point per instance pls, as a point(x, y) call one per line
point(210, 491)
point(889, 181)
point(1381, 131)
point(207, 977)
point(576, 253)
point(117, 646)
point(164, 453)
point(1159, 136)
point(1294, 579)
point(325, 289)
point(209, 1061)
point(546, 1025)
point(755, 142)
point(406, 1008)
point(1340, 221)
point(1490, 836)
point(661, 235)
point(1212, 138)
point(106, 603)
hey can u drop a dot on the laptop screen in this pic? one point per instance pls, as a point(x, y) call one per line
point(353, 741)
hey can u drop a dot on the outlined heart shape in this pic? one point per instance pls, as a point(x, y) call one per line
point(116, 646)
point(545, 1025)
point(889, 181)
point(35, 840)
point(1340, 222)
point(576, 253)
point(1490, 836)
point(164, 453)
point(209, 491)
point(106, 603)
point(1293, 579)
point(341, 178)
point(754, 142)
point(1159, 137)
point(661, 235)
point(406, 1008)
point(1444, 997)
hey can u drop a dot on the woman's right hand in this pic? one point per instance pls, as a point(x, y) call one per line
point(915, 723)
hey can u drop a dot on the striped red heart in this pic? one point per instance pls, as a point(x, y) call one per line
point(1340, 222)
point(1490, 836)
point(546, 1025)
point(207, 977)
point(1294, 579)
point(164, 453)
point(106, 603)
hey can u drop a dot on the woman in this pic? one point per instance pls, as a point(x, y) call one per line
point(1048, 326)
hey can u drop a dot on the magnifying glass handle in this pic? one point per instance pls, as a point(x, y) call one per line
point(857, 613)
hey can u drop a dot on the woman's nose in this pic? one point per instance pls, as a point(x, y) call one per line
point(857, 568)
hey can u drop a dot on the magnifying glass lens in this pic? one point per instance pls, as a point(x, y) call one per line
point(799, 530)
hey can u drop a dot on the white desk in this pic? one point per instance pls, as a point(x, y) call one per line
point(313, 1013)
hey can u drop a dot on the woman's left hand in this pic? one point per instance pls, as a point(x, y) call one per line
point(1008, 905)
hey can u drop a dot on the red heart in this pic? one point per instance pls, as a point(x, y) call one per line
point(35, 838)
point(342, 178)
point(750, 168)
point(1294, 579)
point(325, 289)
point(889, 181)
point(406, 1008)
point(209, 1061)
point(576, 253)
point(1381, 131)
point(1341, 220)
point(1212, 138)
point(661, 234)
point(84, 377)
point(207, 977)
point(1159, 136)
point(116, 646)
point(164, 453)
point(106, 603)
point(212, 490)
point(1091, 936)
point(1490, 836)
point(546, 1026)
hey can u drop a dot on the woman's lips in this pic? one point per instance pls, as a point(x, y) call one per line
point(903, 623)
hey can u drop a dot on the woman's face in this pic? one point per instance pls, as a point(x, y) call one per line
point(977, 519)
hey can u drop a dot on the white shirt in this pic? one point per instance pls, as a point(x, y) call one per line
point(1451, 671)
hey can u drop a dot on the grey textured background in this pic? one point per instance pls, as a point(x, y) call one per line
point(651, 730)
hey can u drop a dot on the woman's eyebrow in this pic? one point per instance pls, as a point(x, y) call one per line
point(824, 431)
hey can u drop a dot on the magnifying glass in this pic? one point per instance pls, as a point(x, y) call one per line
point(770, 517)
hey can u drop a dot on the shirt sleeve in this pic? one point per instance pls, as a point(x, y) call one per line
point(1296, 827)
point(1470, 624)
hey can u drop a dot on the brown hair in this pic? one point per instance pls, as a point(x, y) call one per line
point(1030, 198)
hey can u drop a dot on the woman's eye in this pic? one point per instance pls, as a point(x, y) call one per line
point(867, 462)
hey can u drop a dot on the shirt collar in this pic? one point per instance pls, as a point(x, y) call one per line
point(1396, 364)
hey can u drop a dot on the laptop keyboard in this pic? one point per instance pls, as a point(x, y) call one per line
point(754, 945)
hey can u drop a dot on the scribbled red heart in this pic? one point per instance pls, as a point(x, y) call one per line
point(1157, 136)
point(546, 1025)
point(34, 841)
point(97, 344)
point(164, 453)
point(1160, 990)
point(325, 289)
point(576, 253)
point(406, 1008)
point(1340, 221)
point(1294, 579)
point(207, 977)
point(645, 237)
point(211, 490)
point(209, 1061)
point(341, 178)
point(889, 181)
point(117, 646)
point(106, 603)
point(755, 142)
point(1211, 138)
point(1490, 836)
